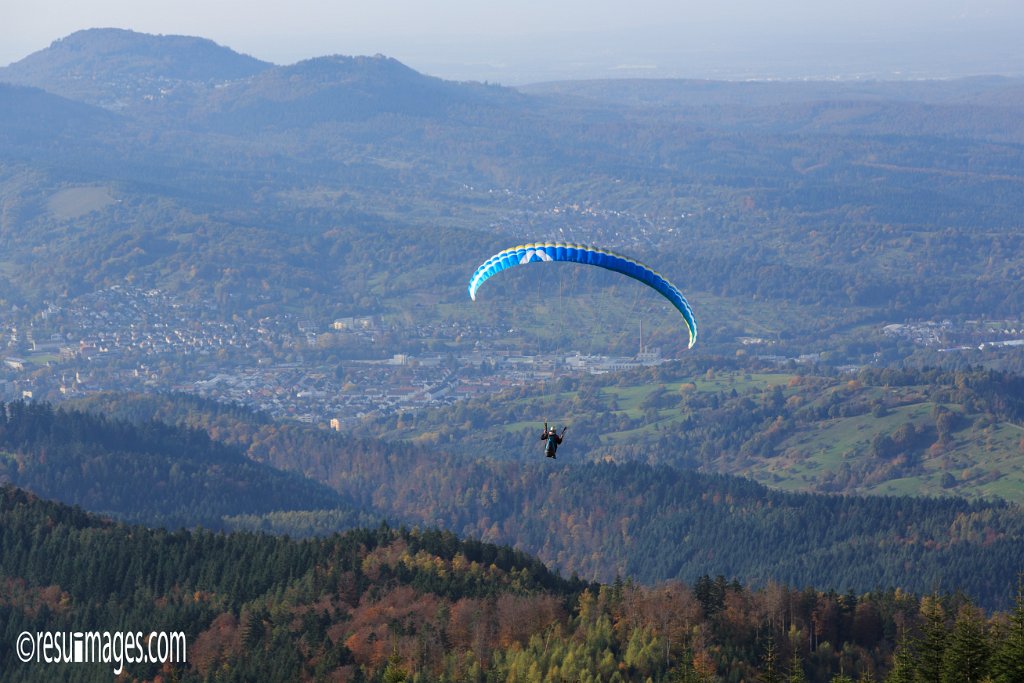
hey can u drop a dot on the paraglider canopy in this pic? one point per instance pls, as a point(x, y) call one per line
point(542, 252)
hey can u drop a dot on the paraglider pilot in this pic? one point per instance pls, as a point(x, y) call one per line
point(553, 438)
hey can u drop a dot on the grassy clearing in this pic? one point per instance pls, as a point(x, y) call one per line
point(41, 359)
point(832, 442)
point(906, 486)
point(978, 459)
point(984, 460)
point(630, 399)
point(1009, 487)
point(73, 202)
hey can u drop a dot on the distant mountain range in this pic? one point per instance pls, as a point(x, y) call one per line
point(147, 75)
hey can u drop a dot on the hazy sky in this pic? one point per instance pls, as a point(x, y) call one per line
point(517, 41)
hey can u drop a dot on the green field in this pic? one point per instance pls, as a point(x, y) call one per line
point(983, 461)
point(629, 399)
point(72, 202)
point(979, 457)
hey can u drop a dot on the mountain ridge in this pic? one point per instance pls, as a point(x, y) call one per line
point(148, 472)
point(172, 76)
point(107, 65)
point(339, 88)
point(29, 114)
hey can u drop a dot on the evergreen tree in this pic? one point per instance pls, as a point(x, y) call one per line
point(685, 673)
point(796, 669)
point(902, 663)
point(931, 646)
point(1007, 665)
point(394, 672)
point(967, 649)
point(769, 673)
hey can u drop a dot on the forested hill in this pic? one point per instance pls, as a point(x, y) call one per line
point(32, 117)
point(256, 606)
point(386, 605)
point(148, 472)
point(117, 68)
point(644, 521)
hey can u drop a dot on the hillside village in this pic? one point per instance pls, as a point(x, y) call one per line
point(329, 373)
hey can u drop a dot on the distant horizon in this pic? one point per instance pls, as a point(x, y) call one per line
point(532, 42)
point(846, 63)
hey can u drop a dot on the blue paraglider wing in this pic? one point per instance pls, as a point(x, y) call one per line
point(592, 256)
